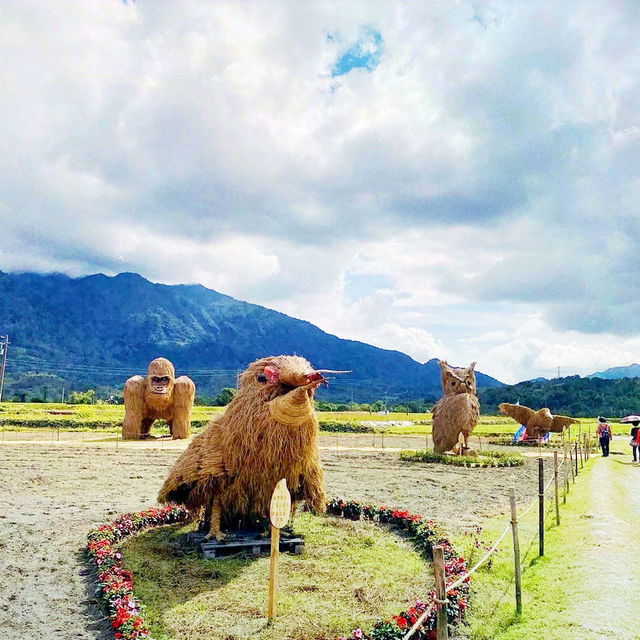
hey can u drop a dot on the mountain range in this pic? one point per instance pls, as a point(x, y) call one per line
point(617, 373)
point(97, 331)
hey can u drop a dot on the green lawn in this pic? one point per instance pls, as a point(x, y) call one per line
point(546, 589)
point(350, 574)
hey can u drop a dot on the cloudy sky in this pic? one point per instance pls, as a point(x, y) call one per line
point(450, 179)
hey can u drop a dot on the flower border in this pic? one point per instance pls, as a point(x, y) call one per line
point(425, 536)
point(115, 587)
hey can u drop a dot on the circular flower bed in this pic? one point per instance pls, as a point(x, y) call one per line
point(115, 586)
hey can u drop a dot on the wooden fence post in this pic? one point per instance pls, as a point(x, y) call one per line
point(565, 475)
point(581, 452)
point(516, 550)
point(586, 447)
point(540, 507)
point(573, 469)
point(555, 481)
point(441, 593)
point(576, 456)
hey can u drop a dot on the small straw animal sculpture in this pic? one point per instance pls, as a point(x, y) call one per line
point(537, 423)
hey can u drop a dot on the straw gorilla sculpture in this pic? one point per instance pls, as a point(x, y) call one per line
point(268, 432)
point(536, 423)
point(159, 395)
point(457, 412)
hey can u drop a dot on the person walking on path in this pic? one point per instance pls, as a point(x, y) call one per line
point(603, 431)
point(634, 441)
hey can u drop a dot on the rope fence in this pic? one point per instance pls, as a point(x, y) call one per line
point(572, 455)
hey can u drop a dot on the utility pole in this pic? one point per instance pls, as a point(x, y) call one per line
point(4, 346)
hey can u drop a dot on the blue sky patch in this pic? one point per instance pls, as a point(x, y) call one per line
point(362, 54)
point(361, 285)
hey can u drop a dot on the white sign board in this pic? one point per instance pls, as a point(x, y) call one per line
point(280, 508)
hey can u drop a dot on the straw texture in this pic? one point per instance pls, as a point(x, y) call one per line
point(268, 432)
point(457, 412)
point(145, 402)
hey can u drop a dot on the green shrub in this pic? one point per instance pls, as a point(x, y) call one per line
point(485, 459)
point(345, 427)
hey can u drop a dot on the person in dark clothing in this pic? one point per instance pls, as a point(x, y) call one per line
point(603, 431)
point(634, 441)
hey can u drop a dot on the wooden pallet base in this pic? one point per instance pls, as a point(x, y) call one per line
point(241, 542)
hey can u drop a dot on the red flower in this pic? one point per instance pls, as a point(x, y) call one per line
point(400, 621)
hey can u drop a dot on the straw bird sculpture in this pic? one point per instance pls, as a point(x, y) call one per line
point(268, 432)
point(159, 395)
point(456, 413)
point(537, 423)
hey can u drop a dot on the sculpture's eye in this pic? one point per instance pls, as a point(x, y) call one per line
point(262, 378)
point(453, 383)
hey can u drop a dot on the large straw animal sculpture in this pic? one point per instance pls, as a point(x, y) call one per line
point(537, 423)
point(456, 413)
point(159, 395)
point(268, 432)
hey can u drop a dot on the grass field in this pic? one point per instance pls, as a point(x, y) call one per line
point(14, 415)
point(584, 558)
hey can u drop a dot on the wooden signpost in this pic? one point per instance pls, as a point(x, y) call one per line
point(279, 512)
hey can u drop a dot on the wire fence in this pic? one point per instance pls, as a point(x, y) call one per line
point(580, 450)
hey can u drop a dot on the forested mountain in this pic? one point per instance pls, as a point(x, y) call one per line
point(96, 331)
point(575, 396)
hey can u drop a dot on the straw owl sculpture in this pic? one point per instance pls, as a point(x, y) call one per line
point(268, 432)
point(537, 423)
point(456, 413)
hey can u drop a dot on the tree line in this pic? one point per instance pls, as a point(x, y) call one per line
point(573, 395)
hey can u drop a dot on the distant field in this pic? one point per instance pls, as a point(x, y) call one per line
point(16, 415)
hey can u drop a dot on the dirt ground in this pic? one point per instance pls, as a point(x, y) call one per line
point(53, 491)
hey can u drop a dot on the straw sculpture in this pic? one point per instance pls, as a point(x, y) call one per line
point(537, 423)
point(159, 395)
point(456, 413)
point(268, 432)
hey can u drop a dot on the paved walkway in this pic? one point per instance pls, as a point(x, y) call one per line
point(608, 573)
point(589, 580)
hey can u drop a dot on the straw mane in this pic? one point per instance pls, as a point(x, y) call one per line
point(268, 432)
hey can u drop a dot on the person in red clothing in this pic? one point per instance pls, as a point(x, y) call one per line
point(603, 431)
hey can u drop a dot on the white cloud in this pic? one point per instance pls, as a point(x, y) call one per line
point(482, 174)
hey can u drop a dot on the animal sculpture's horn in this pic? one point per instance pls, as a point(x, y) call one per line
point(330, 371)
point(293, 408)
